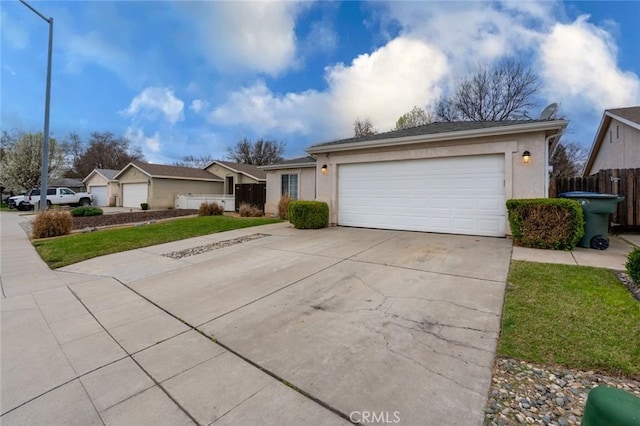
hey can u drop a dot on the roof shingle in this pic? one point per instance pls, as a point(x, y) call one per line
point(161, 170)
point(630, 113)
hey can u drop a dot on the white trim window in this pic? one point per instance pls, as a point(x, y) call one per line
point(290, 185)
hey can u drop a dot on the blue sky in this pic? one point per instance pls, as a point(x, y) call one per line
point(191, 78)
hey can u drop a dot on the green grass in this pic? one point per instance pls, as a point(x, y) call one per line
point(574, 316)
point(75, 248)
point(4, 207)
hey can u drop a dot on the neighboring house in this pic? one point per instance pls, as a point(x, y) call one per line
point(235, 174)
point(617, 141)
point(76, 185)
point(295, 177)
point(158, 185)
point(104, 187)
point(442, 177)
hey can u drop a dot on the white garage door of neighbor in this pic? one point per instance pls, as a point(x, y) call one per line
point(99, 195)
point(453, 195)
point(134, 194)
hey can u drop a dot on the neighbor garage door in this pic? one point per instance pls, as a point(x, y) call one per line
point(456, 195)
point(134, 194)
point(99, 195)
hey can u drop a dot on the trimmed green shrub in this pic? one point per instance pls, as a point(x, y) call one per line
point(86, 211)
point(144, 206)
point(546, 223)
point(210, 209)
point(247, 210)
point(52, 223)
point(283, 207)
point(633, 265)
point(308, 214)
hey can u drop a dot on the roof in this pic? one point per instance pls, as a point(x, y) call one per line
point(629, 116)
point(108, 174)
point(291, 163)
point(440, 131)
point(246, 169)
point(171, 172)
point(66, 182)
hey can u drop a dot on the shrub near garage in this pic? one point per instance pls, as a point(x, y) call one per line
point(52, 223)
point(210, 209)
point(283, 207)
point(633, 265)
point(546, 223)
point(86, 211)
point(247, 210)
point(308, 214)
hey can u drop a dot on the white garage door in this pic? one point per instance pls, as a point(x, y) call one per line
point(99, 195)
point(134, 194)
point(455, 195)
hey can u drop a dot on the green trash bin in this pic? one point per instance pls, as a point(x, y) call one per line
point(596, 207)
point(611, 407)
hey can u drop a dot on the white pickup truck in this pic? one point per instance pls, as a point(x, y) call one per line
point(59, 196)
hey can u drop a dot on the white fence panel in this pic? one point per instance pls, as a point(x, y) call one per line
point(193, 201)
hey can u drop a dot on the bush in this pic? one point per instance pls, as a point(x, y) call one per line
point(633, 265)
point(247, 210)
point(546, 223)
point(283, 207)
point(52, 223)
point(86, 211)
point(308, 214)
point(144, 206)
point(210, 209)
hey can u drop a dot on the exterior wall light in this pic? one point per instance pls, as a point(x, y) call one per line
point(526, 157)
point(324, 169)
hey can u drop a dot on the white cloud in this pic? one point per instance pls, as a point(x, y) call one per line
point(579, 65)
point(156, 100)
point(197, 105)
point(138, 138)
point(382, 86)
point(250, 36)
point(15, 34)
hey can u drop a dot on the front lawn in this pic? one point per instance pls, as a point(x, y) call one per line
point(62, 251)
point(575, 316)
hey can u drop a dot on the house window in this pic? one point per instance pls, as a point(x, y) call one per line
point(610, 136)
point(617, 132)
point(229, 185)
point(290, 186)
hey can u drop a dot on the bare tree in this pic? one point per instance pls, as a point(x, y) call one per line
point(21, 160)
point(416, 117)
point(363, 128)
point(568, 159)
point(104, 151)
point(503, 92)
point(259, 153)
point(195, 162)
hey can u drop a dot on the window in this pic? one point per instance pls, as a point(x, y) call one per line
point(617, 132)
point(50, 191)
point(229, 185)
point(290, 186)
point(66, 191)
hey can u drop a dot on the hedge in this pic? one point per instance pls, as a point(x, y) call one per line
point(308, 214)
point(547, 223)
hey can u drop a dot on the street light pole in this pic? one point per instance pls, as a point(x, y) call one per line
point(47, 103)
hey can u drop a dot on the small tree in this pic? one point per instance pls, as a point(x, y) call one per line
point(363, 128)
point(568, 159)
point(503, 92)
point(416, 117)
point(195, 162)
point(259, 153)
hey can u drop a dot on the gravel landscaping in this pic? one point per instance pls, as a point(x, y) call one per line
point(127, 218)
point(526, 393)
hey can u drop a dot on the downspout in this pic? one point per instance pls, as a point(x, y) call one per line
point(547, 155)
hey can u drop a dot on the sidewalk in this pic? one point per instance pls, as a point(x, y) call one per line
point(615, 257)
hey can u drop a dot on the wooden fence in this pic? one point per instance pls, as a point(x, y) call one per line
point(251, 193)
point(625, 182)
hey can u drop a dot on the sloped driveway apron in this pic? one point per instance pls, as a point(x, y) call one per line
point(376, 326)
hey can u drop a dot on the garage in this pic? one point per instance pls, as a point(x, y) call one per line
point(134, 194)
point(100, 197)
point(456, 195)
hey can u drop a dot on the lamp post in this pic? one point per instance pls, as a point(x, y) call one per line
point(45, 143)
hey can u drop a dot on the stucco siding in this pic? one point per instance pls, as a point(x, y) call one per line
point(162, 192)
point(620, 148)
point(223, 172)
point(113, 188)
point(306, 186)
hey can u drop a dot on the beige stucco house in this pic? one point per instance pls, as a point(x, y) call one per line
point(235, 174)
point(441, 177)
point(295, 177)
point(104, 187)
point(617, 141)
point(158, 185)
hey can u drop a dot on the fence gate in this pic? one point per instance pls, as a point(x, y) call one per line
point(251, 193)
point(625, 182)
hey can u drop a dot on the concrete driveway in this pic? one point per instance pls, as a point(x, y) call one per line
point(318, 327)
